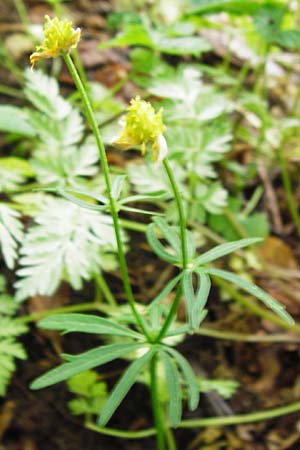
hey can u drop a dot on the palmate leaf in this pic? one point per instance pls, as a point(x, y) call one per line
point(254, 290)
point(124, 384)
point(11, 233)
point(86, 323)
point(85, 361)
point(67, 243)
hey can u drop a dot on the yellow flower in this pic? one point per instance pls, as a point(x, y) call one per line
point(59, 37)
point(143, 127)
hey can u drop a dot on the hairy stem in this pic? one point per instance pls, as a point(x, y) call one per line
point(112, 202)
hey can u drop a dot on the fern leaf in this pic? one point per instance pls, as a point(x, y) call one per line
point(67, 243)
point(11, 233)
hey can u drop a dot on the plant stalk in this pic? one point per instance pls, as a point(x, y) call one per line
point(112, 202)
point(156, 407)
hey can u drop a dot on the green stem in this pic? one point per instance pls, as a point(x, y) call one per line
point(112, 203)
point(206, 422)
point(183, 238)
point(182, 219)
point(156, 407)
point(287, 184)
point(241, 418)
point(104, 288)
point(22, 12)
point(121, 433)
point(170, 316)
point(243, 337)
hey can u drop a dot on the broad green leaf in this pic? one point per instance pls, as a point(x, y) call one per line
point(216, 6)
point(15, 120)
point(224, 249)
point(85, 323)
point(156, 245)
point(289, 39)
point(84, 361)
point(132, 34)
point(124, 384)
point(174, 389)
point(192, 384)
point(268, 21)
point(254, 290)
point(181, 45)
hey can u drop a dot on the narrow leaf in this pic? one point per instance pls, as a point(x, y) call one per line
point(169, 234)
point(122, 387)
point(84, 361)
point(85, 323)
point(189, 294)
point(190, 377)
point(254, 290)
point(201, 298)
point(174, 389)
point(225, 249)
point(157, 246)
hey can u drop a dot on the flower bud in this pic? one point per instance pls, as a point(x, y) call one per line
point(60, 37)
point(143, 127)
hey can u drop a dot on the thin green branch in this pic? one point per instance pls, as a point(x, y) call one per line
point(156, 407)
point(112, 203)
point(206, 422)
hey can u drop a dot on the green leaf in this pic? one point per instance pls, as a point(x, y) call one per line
point(124, 384)
point(289, 39)
point(85, 361)
point(85, 323)
point(156, 245)
point(174, 389)
point(132, 34)
point(268, 21)
point(188, 292)
point(15, 120)
point(254, 290)
point(182, 45)
point(191, 380)
point(224, 249)
point(216, 6)
point(204, 285)
point(169, 233)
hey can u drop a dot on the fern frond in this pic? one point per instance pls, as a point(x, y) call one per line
point(11, 233)
point(67, 243)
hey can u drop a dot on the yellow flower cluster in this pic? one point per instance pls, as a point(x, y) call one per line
point(143, 127)
point(60, 37)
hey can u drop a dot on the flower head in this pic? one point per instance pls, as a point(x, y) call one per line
point(60, 37)
point(143, 127)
